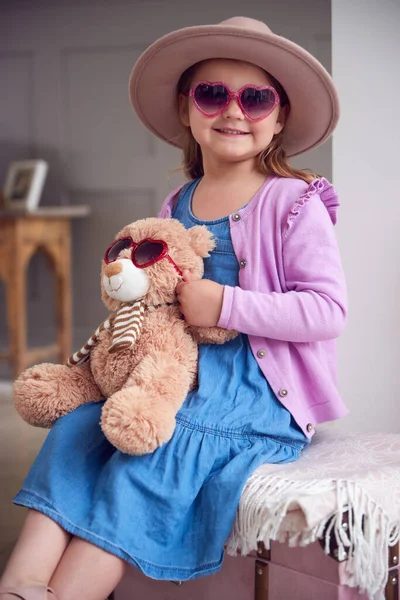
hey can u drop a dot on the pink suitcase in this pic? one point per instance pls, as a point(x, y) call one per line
point(282, 573)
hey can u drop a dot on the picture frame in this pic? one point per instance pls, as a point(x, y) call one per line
point(24, 184)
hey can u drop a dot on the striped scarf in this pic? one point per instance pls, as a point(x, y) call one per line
point(127, 325)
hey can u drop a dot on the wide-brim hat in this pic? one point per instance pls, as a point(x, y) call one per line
point(314, 104)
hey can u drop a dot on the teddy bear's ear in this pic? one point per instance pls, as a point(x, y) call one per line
point(201, 240)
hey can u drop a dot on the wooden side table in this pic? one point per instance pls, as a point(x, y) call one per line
point(21, 234)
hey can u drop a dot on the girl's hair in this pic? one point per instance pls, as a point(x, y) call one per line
point(271, 160)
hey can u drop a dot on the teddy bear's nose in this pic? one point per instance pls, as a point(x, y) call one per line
point(113, 269)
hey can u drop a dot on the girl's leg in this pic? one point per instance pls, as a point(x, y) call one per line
point(86, 571)
point(37, 552)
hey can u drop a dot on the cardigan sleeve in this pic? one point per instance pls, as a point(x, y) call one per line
point(313, 306)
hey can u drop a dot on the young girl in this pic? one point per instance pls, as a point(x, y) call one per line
point(238, 99)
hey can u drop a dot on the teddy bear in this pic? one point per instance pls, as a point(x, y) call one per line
point(143, 358)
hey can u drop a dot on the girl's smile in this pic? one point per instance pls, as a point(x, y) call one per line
point(230, 132)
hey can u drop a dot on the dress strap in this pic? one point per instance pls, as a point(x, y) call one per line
point(177, 201)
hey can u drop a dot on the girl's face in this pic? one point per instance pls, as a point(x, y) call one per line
point(216, 135)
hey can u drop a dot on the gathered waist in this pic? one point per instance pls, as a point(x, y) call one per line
point(237, 434)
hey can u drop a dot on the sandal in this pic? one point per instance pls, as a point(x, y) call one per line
point(30, 593)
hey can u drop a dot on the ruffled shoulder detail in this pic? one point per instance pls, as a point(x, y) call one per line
point(326, 192)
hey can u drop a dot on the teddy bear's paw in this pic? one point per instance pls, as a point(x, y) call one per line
point(212, 335)
point(42, 394)
point(136, 424)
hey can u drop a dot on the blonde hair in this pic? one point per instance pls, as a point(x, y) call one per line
point(272, 160)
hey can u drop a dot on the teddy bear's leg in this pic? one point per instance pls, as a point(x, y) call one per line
point(141, 416)
point(45, 392)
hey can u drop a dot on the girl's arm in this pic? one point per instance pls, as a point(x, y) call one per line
point(314, 306)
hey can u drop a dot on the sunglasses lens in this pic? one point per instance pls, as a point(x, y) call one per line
point(115, 250)
point(148, 252)
point(211, 98)
point(257, 103)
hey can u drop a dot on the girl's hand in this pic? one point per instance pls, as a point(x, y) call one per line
point(200, 300)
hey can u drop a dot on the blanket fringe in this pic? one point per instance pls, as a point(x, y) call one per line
point(366, 540)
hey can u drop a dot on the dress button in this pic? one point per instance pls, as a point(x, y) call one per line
point(261, 353)
point(309, 427)
point(283, 393)
point(236, 217)
point(242, 264)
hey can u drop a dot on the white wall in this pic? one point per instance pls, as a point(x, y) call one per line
point(366, 150)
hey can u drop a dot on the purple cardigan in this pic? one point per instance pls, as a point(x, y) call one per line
point(292, 296)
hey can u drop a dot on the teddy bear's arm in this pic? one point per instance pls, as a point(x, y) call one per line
point(211, 335)
point(45, 392)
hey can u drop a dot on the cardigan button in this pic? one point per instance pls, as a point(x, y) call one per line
point(236, 217)
point(242, 264)
point(283, 393)
point(309, 427)
point(261, 353)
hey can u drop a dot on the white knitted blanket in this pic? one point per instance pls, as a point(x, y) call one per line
point(294, 502)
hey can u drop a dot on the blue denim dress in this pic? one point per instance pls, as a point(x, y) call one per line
point(169, 513)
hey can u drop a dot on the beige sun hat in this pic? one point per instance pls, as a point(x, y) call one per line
point(314, 104)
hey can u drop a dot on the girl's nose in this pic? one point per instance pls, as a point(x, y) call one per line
point(233, 110)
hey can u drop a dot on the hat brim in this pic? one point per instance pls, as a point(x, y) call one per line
point(314, 104)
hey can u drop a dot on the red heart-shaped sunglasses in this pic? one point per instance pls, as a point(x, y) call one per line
point(144, 253)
